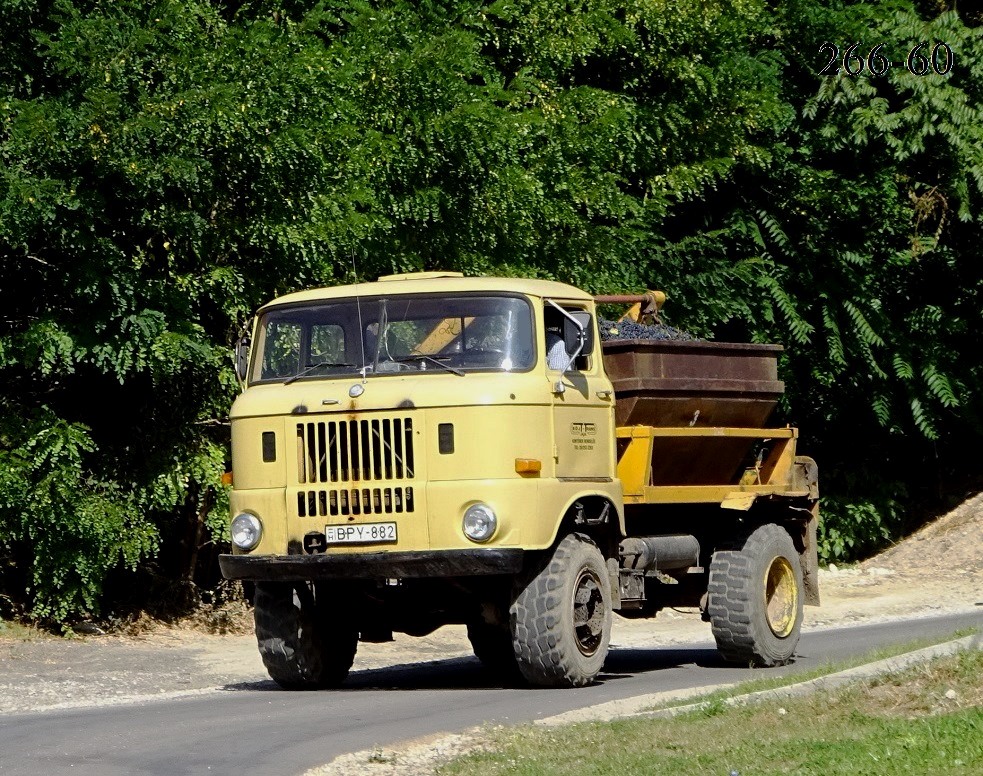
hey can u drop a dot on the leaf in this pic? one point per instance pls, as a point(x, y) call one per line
point(939, 386)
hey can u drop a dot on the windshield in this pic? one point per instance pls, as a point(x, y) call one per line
point(391, 335)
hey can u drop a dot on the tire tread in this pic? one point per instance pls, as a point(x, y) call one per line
point(296, 649)
point(736, 615)
point(545, 650)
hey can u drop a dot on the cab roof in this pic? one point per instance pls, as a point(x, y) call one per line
point(433, 283)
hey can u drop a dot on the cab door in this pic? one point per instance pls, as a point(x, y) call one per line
point(583, 398)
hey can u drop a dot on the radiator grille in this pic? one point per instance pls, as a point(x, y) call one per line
point(354, 501)
point(355, 450)
point(364, 463)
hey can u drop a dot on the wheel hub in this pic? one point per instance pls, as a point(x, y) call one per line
point(588, 612)
point(781, 597)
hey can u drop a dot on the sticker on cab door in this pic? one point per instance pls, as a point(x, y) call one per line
point(583, 435)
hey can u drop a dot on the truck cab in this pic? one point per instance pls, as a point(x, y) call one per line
point(420, 415)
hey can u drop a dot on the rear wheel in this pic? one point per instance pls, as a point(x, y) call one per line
point(755, 599)
point(561, 618)
point(300, 647)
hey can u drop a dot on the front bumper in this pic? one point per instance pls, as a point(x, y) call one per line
point(374, 565)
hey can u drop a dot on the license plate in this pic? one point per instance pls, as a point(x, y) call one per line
point(360, 533)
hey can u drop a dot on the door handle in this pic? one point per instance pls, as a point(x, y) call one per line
point(604, 394)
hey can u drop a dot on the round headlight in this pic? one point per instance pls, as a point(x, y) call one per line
point(246, 531)
point(479, 522)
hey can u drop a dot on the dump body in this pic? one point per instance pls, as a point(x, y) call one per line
point(683, 383)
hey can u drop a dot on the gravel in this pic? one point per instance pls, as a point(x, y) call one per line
point(629, 330)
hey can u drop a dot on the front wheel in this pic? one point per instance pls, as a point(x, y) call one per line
point(300, 648)
point(755, 599)
point(492, 645)
point(561, 618)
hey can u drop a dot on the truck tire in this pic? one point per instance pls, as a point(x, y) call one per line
point(755, 599)
point(300, 648)
point(492, 645)
point(561, 618)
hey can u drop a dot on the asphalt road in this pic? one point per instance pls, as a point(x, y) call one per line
point(259, 729)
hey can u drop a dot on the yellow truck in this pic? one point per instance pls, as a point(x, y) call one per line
point(431, 449)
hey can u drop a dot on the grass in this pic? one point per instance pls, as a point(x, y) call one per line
point(14, 631)
point(924, 720)
point(774, 682)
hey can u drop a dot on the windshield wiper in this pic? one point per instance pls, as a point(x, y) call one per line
point(312, 367)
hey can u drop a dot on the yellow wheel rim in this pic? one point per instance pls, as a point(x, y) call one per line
point(781, 597)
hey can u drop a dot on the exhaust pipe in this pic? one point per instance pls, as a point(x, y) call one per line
point(650, 553)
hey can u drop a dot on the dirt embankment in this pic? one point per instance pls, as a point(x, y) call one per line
point(938, 569)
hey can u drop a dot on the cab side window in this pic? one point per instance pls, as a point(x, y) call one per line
point(557, 356)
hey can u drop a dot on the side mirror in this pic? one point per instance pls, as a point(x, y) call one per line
point(242, 357)
point(578, 333)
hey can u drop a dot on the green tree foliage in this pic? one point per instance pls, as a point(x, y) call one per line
point(882, 190)
point(169, 166)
